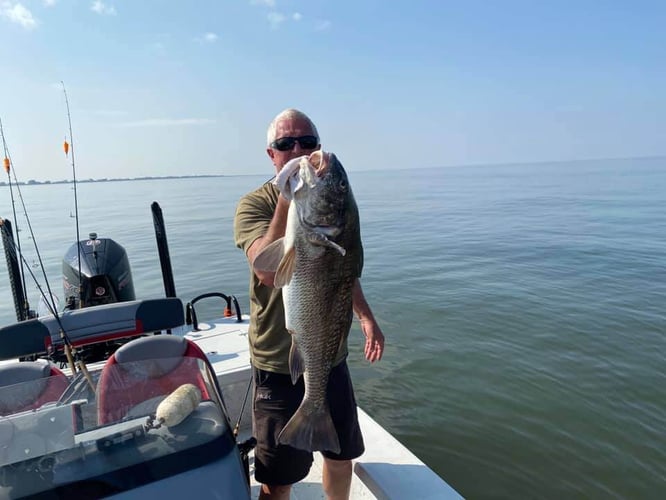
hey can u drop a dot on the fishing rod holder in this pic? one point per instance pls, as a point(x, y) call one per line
point(191, 315)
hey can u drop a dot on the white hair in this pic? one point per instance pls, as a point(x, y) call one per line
point(287, 114)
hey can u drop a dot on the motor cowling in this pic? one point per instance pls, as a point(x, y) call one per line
point(106, 276)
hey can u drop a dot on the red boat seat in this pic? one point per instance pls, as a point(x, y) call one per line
point(27, 385)
point(148, 369)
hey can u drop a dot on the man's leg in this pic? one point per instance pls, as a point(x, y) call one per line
point(336, 478)
point(337, 473)
point(276, 467)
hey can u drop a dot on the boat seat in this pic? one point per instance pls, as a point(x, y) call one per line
point(48, 384)
point(146, 369)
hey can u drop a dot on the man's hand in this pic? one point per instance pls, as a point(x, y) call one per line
point(374, 340)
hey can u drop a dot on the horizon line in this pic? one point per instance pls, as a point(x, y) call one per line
point(455, 165)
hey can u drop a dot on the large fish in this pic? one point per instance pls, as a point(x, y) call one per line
point(316, 275)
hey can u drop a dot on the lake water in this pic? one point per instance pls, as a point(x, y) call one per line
point(523, 307)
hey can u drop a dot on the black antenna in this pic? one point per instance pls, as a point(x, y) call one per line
point(163, 250)
point(68, 146)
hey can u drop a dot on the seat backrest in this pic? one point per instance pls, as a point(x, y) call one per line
point(144, 371)
point(26, 385)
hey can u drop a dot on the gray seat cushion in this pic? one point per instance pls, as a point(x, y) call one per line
point(14, 391)
point(164, 353)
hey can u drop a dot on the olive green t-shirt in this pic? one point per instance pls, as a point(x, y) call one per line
point(269, 340)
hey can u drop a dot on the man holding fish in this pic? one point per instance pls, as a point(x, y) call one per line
point(301, 236)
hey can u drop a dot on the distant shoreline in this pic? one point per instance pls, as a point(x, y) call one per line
point(33, 182)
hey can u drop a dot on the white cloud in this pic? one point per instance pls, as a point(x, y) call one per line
point(275, 19)
point(168, 122)
point(101, 8)
point(207, 38)
point(267, 3)
point(18, 14)
point(49, 3)
point(322, 25)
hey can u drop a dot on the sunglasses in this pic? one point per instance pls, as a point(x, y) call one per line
point(288, 143)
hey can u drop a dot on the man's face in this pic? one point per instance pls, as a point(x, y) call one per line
point(291, 127)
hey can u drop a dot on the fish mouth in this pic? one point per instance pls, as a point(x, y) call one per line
point(319, 160)
point(328, 230)
point(324, 229)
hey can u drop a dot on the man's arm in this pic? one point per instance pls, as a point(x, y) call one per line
point(275, 231)
point(374, 338)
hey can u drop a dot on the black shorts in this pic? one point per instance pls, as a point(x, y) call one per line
point(276, 399)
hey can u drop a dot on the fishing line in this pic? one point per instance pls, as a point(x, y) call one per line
point(240, 416)
point(50, 304)
point(32, 234)
point(69, 348)
point(8, 166)
point(49, 301)
point(70, 351)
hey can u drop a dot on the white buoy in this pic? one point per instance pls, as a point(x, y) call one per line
point(178, 405)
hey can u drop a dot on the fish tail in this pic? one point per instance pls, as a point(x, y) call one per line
point(310, 429)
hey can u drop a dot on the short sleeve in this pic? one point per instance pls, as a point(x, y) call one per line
point(253, 216)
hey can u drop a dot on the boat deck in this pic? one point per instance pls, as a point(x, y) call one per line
point(387, 469)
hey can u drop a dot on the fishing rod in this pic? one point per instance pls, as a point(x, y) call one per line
point(70, 351)
point(15, 251)
point(67, 146)
point(20, 296)
point(49, 300)
point(73, 359)
point(32, 234)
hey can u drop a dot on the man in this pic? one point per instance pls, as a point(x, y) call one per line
point(261, 218)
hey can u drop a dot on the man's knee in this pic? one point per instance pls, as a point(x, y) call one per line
point(338, 466)
point(337, 478)
point(278, 492)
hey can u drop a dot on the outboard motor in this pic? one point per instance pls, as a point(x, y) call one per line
point(106, 276)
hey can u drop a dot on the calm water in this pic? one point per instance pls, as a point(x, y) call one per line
point(523, 308)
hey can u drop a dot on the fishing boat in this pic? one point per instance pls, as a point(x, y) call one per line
point(133, 398)
point(119, 397)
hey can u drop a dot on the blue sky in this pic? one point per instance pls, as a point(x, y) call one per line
point(173, 87)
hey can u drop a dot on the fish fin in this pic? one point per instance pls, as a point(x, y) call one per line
point(269, 258)
point(321, 239)
point(286, 269)
point(337, 247)
point(296, 362)
point(311, 429)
